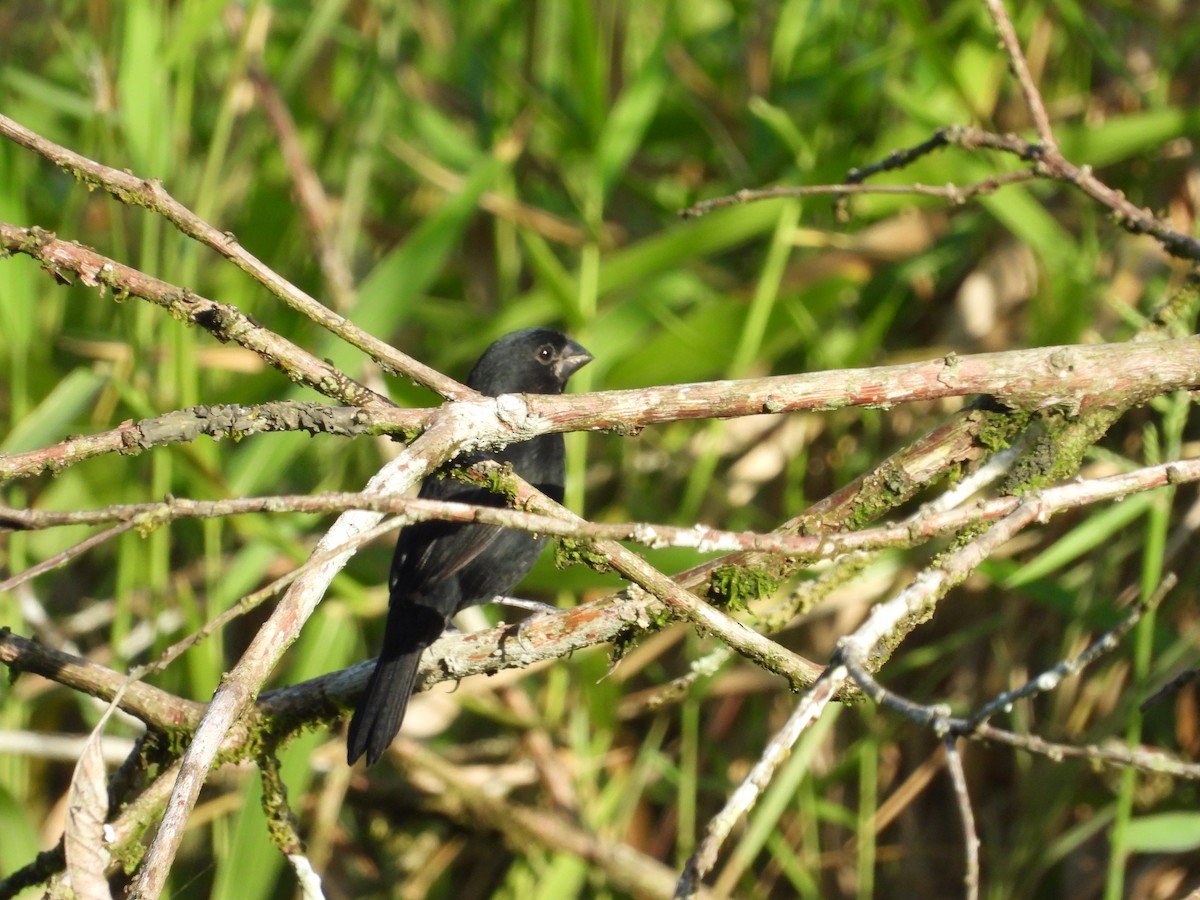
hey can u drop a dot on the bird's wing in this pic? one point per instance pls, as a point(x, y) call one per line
point(428, 553)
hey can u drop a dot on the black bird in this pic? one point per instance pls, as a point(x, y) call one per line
point(440, 568)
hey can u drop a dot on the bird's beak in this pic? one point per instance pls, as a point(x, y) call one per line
point(573, 358)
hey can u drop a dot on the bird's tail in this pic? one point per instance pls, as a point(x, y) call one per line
point(380, 712)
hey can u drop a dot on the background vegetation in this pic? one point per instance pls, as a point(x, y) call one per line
point(490, 166)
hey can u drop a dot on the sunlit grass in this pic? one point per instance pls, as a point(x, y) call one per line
point(605, 119)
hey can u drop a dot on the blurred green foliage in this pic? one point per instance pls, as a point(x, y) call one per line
point(589, 125)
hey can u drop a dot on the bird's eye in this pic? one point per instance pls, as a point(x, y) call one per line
point(545, 353)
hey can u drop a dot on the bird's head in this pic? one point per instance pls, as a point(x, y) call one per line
point(530, 361)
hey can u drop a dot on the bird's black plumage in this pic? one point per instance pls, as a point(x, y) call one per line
point(440, 568)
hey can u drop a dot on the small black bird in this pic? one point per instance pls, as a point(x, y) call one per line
point(440, 568)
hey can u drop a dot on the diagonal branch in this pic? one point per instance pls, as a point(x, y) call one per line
point(150, 193)
point(1020, 69)
point(225, 323)
point(240, 686)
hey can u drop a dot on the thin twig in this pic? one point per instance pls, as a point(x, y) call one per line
point(956, 194)
point(925, 524)
point(1116, 757)
point(1052, 164)
point(1106, 643)
point(1045, 155)
point(257, 598)
point(937, 716)
point(966, 814)
point(807, 711)
point(1020, 69)
point(63, 557)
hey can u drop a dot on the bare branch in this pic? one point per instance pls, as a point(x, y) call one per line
point(63, 557)
point(218, 421)
point(956, 194)
point(150, 194)
point(164, 710)
point(1020, 68)
point(1076, 377)
point(958, 778)
point(225, 323)
point(812, 704)
point(1106, 643)
point(926, 524)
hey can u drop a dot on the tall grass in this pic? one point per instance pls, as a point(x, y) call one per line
point(604, 119)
